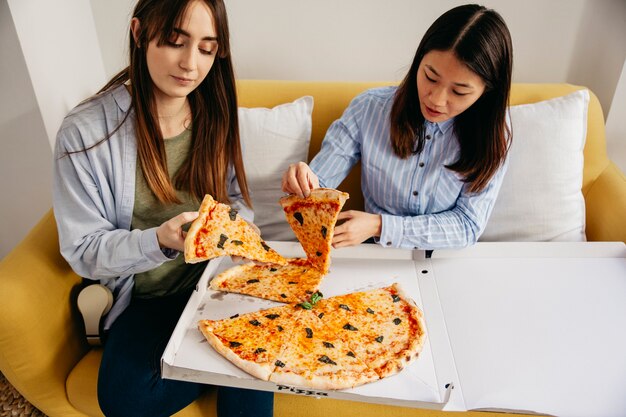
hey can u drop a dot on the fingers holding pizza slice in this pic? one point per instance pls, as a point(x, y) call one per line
point(220, 231)
point(313, 220)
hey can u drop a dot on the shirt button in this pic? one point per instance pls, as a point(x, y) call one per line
point(414, 192)
point(421, 164)
point(428, 136)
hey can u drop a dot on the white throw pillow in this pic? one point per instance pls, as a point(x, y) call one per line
point(541, 197)
point(271, 140)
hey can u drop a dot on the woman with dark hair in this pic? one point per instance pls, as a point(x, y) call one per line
point(132, 164)
point(433, 150)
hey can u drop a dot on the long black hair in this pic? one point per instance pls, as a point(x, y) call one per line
point(480, 39)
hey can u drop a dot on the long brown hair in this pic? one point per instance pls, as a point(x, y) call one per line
point(481, 40)
point(215, 140)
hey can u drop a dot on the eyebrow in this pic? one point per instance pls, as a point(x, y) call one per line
point(185, 33)
point(437, 74)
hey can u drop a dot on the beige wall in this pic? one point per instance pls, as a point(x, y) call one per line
point(55, 53)
point(576, 41)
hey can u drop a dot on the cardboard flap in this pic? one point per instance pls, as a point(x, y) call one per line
point(534, 327)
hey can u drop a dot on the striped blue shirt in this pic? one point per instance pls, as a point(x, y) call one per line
point(422, 203)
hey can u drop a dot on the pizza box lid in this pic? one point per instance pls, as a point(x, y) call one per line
point(189, 357)
point(519, 327)
point(537, 327)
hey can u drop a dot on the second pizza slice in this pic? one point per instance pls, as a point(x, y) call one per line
point(384, 327)
point(291, 283)
point(314, 356)
point(252, 341)
point(313, 221)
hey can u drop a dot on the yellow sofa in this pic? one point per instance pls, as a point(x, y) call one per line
point(43, 351)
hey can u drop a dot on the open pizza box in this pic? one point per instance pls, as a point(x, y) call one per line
point(533, 328)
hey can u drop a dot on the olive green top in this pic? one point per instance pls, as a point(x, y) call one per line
point(173, 276)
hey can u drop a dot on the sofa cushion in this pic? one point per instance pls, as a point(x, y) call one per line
point(541, 197)
point(82, 383)
point(82, 391)
point(271, 140)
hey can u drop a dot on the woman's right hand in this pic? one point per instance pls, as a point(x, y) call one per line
point(299, 179)
point(171, 234)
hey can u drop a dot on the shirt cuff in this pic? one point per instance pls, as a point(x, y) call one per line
point(391, 232)
point(150, 247)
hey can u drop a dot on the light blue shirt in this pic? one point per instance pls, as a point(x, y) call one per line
point(93, 198)
point(422, 203)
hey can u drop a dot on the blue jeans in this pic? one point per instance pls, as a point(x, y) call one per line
point(129, 380)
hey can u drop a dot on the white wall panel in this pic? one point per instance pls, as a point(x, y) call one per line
point(25, 156)
point(62, 54)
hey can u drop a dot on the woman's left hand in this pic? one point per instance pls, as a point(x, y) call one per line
point(171, 235)
point(357, 227)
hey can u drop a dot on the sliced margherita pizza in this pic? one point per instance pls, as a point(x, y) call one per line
point(220, 231)
point(384, 327)
point(317, 357)
point(252, 341)
point(313, 221)
point(336, 343)
point(291, 283)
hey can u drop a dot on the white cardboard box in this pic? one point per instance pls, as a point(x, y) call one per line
point(524, 327)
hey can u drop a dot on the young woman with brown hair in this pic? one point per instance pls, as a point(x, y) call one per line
point(433, 150)
point(132, 164)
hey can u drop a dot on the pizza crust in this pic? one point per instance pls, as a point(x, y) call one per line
point(318, 195)
point(220, 231)
point(194, 229)
point(253, 368)
point(224, 276)
point(333, 382)
point(416, 342)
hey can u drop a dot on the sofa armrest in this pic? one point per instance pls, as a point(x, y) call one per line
point(605, 203)
point(40, 337)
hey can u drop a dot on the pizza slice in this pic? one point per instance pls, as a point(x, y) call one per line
point(383, 327)
point(252, 341)
point(316, 357)
point(291, 283)
point(220, 231)
point(334, 343)
point(313, 221)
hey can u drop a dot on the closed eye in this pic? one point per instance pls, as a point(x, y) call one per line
point(211, 51)
point(174, 44)
point(208, 48)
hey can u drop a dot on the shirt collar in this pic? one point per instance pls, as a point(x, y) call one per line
point(122, 97)
point(443, 127)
